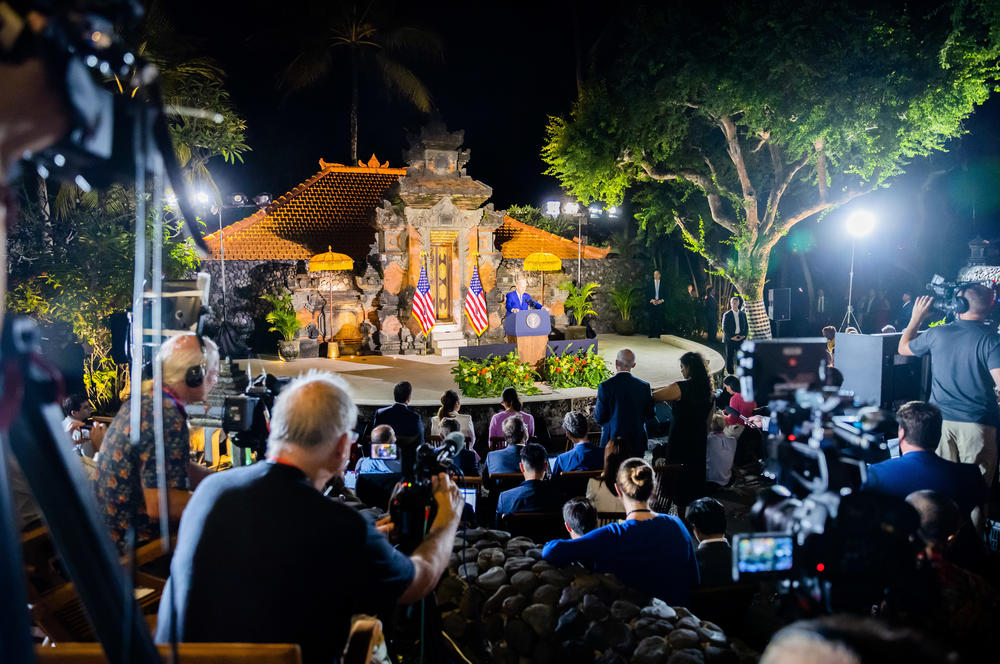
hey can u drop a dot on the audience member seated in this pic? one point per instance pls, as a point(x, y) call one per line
point(450, 405)
point(584, 455)
point(296, 565)
point(707, 517)
point(964, 605)
point(126, 484)
point(579, 516)
point(720, 451)
point(405, 422)
point(737, 404)
point(535, 493)
point(508, 459)
point(86, 437)
point(381, 435)
point(511, 406)
point(650, 552)
point(919, 467)
point(466, 460)
point(601, 491)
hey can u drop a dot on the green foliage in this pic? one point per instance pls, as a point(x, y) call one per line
point(579, 302)
point(489, 377)
point(528, 214)
point(282, 317)
point(582, 369)
point(624, 299)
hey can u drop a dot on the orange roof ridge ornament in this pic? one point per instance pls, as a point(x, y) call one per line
point(373, 164)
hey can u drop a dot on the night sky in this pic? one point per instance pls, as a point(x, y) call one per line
point(510, 65)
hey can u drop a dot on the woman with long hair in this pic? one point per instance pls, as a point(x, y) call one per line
point(450, 406)
point(601, 491)
point(649, 552)
point(692, 405)
point(511, 406)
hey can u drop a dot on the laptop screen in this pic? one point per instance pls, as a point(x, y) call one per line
point(351, 480)
point(470, 497)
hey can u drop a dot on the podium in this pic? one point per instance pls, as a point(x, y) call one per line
point(530, 329)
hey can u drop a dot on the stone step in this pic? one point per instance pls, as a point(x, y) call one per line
point(449, 343)
point(448, 352)
point(457, 334)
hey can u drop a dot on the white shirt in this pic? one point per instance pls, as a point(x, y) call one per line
point(720, 451)
point(736, 316)
point(603, 500)
point(820, 304)
point(656, 289)
point(465, 426)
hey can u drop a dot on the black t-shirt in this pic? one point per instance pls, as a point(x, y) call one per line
point(262, 557)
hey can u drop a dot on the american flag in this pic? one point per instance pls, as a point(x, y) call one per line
point(423, 305)
point(475, 304)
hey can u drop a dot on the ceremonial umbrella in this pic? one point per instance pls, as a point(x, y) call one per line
point(542, 262)
point(332, 262)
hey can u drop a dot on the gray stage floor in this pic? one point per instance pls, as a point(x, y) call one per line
point(371, 377)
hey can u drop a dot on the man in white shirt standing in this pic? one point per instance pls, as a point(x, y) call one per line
point(655, 298)
point(734, 331)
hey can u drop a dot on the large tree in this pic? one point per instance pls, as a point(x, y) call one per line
point(757, 116)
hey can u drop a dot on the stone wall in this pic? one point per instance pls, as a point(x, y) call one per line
point(610, 273)
point(246, 281)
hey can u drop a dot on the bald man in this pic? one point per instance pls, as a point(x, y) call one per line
point(624, 403)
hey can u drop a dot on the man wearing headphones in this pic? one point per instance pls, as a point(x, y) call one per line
point(126, 474)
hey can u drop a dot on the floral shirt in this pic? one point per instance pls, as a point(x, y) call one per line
point(124, 470)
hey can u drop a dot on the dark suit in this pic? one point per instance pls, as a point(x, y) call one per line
point(903, 317)
point(524, 302)
point(656, 310)
point(529, 496)
point(728, 332)
point(506, 460)
point(408, 427)
point(623, 404)
point(919, 470)
point(715, 560)
point(583, 456)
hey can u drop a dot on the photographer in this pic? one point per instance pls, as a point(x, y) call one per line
point(965, 362)
point(263, 557)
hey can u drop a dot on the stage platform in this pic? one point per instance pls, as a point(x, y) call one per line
point(371, 377)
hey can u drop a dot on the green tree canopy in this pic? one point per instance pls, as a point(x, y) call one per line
point(757, 116)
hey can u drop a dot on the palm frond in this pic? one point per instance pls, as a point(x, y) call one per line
point(308, 67)
point(404, 82)
point(409, 39)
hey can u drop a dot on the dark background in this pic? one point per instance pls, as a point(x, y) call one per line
point(510, 65)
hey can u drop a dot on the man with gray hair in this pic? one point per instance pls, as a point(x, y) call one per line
point(263, 557)
point(624, 403)
point(126, 484)
point(381, 435)
point(583, 455)
point(508, 460)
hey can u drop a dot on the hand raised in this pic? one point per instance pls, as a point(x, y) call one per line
point(921, 307)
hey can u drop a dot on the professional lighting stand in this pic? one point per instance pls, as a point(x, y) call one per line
point(849, 316)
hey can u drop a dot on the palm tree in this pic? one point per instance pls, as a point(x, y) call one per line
point(350, 29)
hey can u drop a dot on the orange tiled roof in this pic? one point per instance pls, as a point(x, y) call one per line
point(517, 240)
point(333, 208)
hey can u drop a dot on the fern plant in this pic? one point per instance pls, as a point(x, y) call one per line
point(579, 299)
point(282, 316)
point(624, 300)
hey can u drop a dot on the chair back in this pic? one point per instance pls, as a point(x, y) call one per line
point(497, 443)
point(574, 482)
point(502, 481)
point(539, 526)
point(665, 489)
point(192, 653)
point(365, 635)
point(604, 518)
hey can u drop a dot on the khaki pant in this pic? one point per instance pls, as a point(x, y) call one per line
point(968, 442)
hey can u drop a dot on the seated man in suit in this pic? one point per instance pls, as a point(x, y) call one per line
point(519, 298)
point(381, 435)
point(508, 459)
point(623, 404)
point(579, 516)
point(919, 467)
point(707, 517)
point(405, 422)
point(534, 494)
point(583, 455)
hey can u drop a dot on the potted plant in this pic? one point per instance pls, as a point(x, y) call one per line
point(624, 300)
point(284, 321)
point(578, 302)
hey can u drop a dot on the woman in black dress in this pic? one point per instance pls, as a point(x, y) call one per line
point(691, 404)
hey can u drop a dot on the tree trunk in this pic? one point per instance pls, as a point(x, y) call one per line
point(42, 189)
point(752, 290)
point(760, 324)
point(354, 108)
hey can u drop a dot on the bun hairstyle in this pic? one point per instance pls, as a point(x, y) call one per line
point(448, 402)
point(635, 479)
point(509, 397)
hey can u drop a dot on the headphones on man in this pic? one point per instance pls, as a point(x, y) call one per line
point(195, 375)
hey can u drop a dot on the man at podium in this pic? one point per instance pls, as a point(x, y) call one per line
point(519, 299)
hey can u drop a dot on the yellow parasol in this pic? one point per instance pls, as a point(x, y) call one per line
point(543, 262)
point(333, 262)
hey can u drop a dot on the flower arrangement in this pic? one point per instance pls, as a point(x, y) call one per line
point(582, 369)
point(489, 377)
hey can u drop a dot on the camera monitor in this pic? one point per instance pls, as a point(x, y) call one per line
point(761, 554)
point(777, 367)
point(383, 450)
point(470, 497)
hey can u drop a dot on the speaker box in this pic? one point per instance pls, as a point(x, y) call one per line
point(779, 304)
point(877, 374)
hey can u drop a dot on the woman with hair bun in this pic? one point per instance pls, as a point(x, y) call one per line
point(450, 405)
point(652, 553)
point(511, 406)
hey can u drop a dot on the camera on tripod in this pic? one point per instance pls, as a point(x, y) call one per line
point(246, 417)
point(830, 545)
point(412, 506)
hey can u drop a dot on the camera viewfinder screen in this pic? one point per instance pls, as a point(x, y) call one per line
point(763, 553)
point(384, 450)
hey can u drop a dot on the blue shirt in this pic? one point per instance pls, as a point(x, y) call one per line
point(506, 460)
point(583, 456)
point(523, 302)
point(529, 496)
point(655, 556)
point(919, 470)
point(369, 465)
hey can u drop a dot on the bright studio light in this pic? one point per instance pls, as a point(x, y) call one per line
point(172, 200)
point(571, 207)
point(860, 223)
point(552, 208)
point(202, 198)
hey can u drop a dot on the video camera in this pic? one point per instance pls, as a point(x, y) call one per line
point(831, 546)
point(412, 506)
point(947, 298)
point(246, 417)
